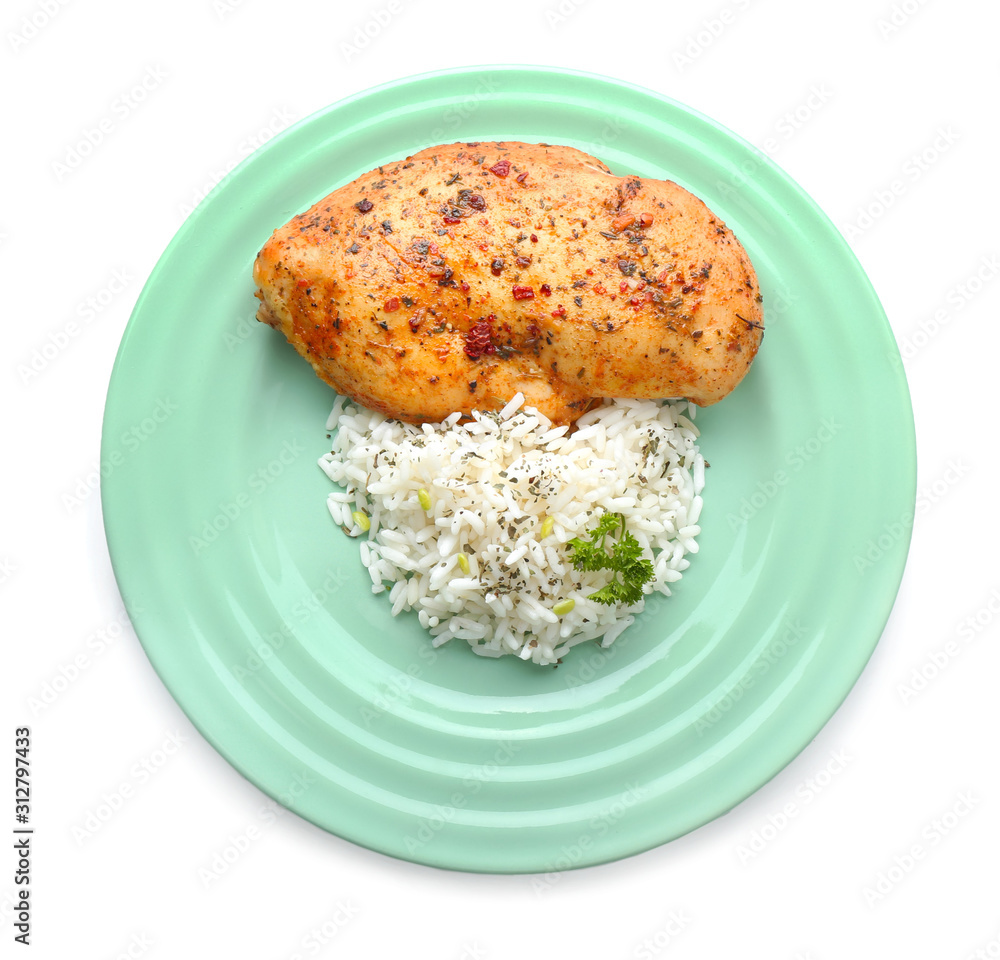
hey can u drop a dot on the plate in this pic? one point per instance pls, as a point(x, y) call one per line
point(254, 608)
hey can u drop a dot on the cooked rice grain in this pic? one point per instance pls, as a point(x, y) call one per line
point(491, 484)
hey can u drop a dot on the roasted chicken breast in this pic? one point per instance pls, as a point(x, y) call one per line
point(455, 278)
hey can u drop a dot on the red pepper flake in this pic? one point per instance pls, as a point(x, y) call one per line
point(662, 277)
point(452, 219)
point(635, 301)
point(546, 290)
point(363, 206)
point(559, 311)
point(464, 287)
point(523, 293)
point(476, 202)
point(496, 267)
point(303, 283)
point(479, 339)
point(523, 262)
point(590, 272)
point(620, 223)
point(521, 177)
point(534, 239)
point(501, 168)
point(645, 220)
point(600, 288)
point(391, 304)
point(623, 286)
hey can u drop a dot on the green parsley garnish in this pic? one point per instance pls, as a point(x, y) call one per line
point(625, 559)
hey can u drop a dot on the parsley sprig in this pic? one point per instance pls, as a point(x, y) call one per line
point(624, 559)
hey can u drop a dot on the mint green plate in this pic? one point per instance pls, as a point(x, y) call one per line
point(257, 614)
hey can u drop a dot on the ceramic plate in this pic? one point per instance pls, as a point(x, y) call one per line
point(255, 610)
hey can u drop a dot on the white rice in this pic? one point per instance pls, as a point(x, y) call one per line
point(492, 483)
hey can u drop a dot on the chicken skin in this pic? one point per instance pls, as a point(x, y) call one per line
point(455, 278)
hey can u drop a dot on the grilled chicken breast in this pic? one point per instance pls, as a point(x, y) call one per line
point(455, 278)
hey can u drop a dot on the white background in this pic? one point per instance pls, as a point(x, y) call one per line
point(850, 98)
